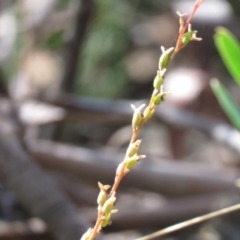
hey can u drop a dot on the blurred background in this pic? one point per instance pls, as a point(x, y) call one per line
point(69, 70)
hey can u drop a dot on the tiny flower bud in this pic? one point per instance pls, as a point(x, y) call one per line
point(137, 116)
point(181, 19)
point(108, 205)
point(158, 99)
point(186, 38)
point(165, 58)
point(102, 196)
point(133, 148)
point(148, 113)
point(131, 162)
point(107, 218)
point(158, 80)
point(87, 235)
point(189, 36)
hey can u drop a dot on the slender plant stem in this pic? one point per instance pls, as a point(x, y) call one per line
point(117, 181)
point(183, 29)
point(190, 222)
point(97, 225)
point(134, 135)
point(121, 171)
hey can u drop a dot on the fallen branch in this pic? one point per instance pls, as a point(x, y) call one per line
point(119, 112)
point(170, 178)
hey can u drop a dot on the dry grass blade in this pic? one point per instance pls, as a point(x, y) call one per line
point(190, 222)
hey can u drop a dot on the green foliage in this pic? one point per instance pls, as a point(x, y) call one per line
point(226, 102)
point(229, 50)
point(102, 72)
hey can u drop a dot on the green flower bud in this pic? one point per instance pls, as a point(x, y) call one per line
point(108, 205)
point(107, 218)
point(189, 36)
point(148, 113)
point(133, 148)
point(137, 116)
point(158, 81)
point(158, 99)
point(131, 162)
point(186, 38)
point(102, 196)
point(165, 58)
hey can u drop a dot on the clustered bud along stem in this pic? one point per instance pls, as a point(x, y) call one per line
point(141, 115)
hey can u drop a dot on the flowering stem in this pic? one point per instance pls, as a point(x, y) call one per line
point(184, 28)
point(114, 187)
point(139, 119)
point(121, 172)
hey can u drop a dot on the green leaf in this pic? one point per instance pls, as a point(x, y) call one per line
point(226, 102)
point(229, 50)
